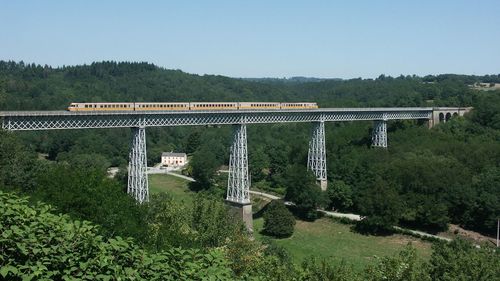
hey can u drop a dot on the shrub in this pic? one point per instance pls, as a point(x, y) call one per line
point(278, 220)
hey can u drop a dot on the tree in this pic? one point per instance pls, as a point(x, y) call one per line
point(212, 222)
point(193, 142)
point(203, 166)
point(18, 168)
point(486, 209)
point(278, 220)
point(340, 195)
point(258, 161)
point(86, 193)
point(382, 207)
point(168, 223)
point(301, 189)
point(461, 261)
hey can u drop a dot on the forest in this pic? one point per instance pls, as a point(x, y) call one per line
point(426, 179)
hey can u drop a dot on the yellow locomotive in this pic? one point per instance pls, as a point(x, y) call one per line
point(183, 106)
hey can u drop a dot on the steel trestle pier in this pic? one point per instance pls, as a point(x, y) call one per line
point(137, 166)
point(379, 134)
point(238, 182)
point(316, 157)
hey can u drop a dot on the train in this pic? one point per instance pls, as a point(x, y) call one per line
point(183, 106)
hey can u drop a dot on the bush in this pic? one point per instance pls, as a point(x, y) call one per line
point(278, 220)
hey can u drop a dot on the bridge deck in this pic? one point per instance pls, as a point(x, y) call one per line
point(47, 120)
point(151, 112)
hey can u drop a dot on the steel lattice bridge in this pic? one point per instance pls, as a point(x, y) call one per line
point(238, 180)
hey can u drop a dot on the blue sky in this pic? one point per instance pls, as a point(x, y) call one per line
point(328, 39)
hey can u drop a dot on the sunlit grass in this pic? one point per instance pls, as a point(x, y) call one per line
point(327, 238)
point(175, 186)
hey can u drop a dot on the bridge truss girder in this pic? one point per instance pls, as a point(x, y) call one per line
point(70, 120)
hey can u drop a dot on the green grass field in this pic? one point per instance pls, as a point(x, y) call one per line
point(175, 186)
point(327, 238)
point(323, 237)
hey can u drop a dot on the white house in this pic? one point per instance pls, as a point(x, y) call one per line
point(172, 159)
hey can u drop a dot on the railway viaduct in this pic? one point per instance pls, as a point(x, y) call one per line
point(238, 185)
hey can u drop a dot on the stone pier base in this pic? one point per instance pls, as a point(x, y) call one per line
point(323, 184)
point(243, 212)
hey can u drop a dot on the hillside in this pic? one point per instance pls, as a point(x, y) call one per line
point(428, 178)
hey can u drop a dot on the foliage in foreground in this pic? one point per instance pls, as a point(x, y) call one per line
point(38, 245)
point(206, 224)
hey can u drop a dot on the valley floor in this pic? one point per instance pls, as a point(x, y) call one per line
point(324, 237)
